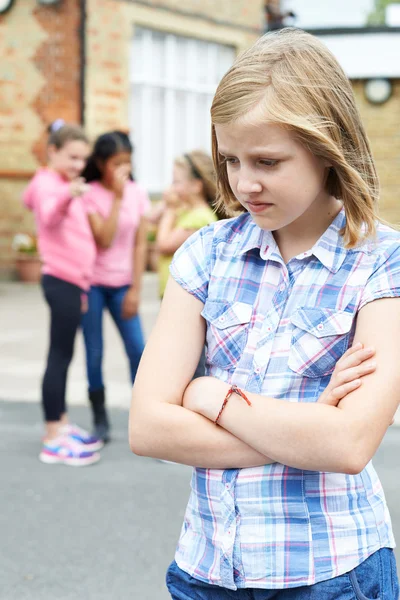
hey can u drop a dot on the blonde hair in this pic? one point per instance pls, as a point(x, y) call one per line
point(66, 133)
point(291, 79)
point(199, 165)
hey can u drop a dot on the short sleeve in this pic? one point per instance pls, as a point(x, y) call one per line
point(385, 280)
point(89, 202)
point(195, 219)
point(190, 266)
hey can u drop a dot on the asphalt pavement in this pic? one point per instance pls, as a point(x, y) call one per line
point(104, 532)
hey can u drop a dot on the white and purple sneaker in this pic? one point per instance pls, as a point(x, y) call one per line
point(65, 450)
point(90, 443)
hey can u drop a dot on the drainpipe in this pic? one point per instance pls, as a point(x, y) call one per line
point(82, 60)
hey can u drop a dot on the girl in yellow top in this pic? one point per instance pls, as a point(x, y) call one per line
point(188, 206)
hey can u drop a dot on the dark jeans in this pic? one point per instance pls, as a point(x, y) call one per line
point(100, 298)
point(64, 300)
point(375, 578)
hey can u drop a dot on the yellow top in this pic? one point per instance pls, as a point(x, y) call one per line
point(192, 219)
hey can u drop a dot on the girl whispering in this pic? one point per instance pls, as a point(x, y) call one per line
point(116, 206)
point(188, 206)
point(285, 502)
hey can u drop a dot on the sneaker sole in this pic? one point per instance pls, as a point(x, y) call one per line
point(94, 447)
point(70, 462)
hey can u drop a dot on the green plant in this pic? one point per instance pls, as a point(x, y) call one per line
point(377, 16)
point(152, 234)
point(25, 243)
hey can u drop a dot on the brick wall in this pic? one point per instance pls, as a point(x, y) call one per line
point(39, 81)
point(58, 60)
point(240, 13)
point(382, 125)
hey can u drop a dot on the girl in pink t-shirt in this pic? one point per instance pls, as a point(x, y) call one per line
point(68, 253)
point(116, 206)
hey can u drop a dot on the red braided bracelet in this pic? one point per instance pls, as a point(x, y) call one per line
point(232, 390)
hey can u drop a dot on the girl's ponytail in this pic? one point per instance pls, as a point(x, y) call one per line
point(91, 172)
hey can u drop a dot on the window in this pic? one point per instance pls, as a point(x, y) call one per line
point(173, 80)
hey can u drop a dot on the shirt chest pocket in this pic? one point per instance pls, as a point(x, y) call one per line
point(320, 337)
point(227, 331)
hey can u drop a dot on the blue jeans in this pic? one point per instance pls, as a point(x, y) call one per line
point(99, 298)
point(375, 578)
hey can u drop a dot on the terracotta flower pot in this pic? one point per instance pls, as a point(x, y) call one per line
point(28, 268)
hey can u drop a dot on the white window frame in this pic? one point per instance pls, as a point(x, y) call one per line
point(144, 79)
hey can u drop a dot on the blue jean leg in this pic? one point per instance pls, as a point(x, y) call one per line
point(182, 586)
point(130, 329)
point(376, 577)
point(92, 327)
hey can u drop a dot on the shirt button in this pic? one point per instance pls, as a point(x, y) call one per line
point(222, 319)
point(257, 370)
point(281, 287)
point(269, 328)
point(320, 326)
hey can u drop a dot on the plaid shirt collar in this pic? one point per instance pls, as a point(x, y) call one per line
point(329, 249)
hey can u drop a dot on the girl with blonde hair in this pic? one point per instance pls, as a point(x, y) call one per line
point(297, 297)
point(188, 206)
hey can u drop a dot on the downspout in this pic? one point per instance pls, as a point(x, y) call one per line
point(82, 60)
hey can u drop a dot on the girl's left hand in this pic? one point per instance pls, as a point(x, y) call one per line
point(130, 303)
point(84, 303)
point(349, 371)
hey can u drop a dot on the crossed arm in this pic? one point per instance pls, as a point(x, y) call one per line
point(173, 419)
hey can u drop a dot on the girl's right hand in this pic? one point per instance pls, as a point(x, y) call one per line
point(350, 368)
point(120, 177)
point(171, 199)
point(78, 187)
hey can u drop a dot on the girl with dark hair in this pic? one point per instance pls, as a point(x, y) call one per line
point(116, 206)
point(68, 252)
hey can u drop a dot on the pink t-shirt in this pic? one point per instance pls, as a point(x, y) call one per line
point(65, 240)
point(114, 265)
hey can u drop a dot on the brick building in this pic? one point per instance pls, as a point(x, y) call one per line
point(150, 66)
point(82, 60)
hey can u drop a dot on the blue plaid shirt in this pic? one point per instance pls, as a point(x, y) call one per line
point(278, 329)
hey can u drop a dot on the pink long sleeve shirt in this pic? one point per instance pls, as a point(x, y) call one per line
point(65, 240)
